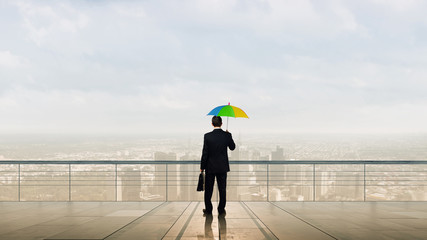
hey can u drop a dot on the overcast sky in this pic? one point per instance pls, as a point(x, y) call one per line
point(161, 66)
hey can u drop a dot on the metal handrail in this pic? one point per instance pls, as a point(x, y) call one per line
point(268, 176)
point(127, 162)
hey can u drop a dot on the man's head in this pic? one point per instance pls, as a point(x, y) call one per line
point(216, 121)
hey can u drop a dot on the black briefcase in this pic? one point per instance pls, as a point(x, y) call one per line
point(201, 183)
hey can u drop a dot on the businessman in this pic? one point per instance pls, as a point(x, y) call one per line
point(215, 163)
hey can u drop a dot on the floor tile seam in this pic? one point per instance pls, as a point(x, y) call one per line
point(132, 220)
point(74, 225)
point(30, 207)
point(166, 233)
point(181, 233)
point(19, 231)
point(249, 211)
point(62, 216)
point(27, 226)
point(85, 210)
point(16, 210)
point(301, 219)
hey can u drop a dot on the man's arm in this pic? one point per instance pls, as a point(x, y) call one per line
point(204, 155)
point(231, 144)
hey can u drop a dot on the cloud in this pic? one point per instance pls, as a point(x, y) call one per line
point(162, 65)
point(291, 20)
point(44, 21)
point(400, 6)
point(9, 60)
point(131, 10)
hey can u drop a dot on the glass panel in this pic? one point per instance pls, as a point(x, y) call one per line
point(339, 182)
point(182, 182)
point(44, 182)
point(396, 182)
point(290, 182)
point(93, 182)
point(141, 182)
point(247, 182)
point(9, 182)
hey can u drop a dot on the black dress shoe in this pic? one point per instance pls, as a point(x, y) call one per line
point(207, 212)
point(222, 212)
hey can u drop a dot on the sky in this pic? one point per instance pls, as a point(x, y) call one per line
point(158, 67)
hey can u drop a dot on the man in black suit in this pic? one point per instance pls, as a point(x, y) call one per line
point(215, 163)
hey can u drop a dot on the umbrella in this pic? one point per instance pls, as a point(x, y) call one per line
point(228, 111)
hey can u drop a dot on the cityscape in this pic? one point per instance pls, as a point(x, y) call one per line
point(273, 147)
point(247, 182)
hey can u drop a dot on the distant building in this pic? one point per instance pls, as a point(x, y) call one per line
point(278, 154)
point(159, 156)
point(243, 153)
point(188, 156)
point(256, 155)
point(130, 183)
point(235, 154)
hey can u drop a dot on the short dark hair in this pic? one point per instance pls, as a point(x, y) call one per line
point(216, 121)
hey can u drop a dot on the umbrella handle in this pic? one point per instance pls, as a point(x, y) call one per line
point(227, 123)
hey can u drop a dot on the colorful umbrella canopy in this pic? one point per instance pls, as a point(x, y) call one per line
point(228, 111)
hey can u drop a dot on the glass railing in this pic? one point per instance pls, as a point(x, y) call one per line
point(247, 181)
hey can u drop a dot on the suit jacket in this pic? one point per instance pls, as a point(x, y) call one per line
point(214, 155)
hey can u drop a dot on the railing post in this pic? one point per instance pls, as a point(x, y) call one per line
point(268, 182)
point(364, 182)
point(314, 182)
point(115, 180)
point(69, 182)
point(166, 182)
point(19, 182)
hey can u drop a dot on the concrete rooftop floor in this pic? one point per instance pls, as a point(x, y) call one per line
point(184, 220)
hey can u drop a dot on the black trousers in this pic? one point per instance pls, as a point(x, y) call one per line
point(221, 179)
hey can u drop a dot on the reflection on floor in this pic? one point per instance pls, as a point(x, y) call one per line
point(184, 220)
